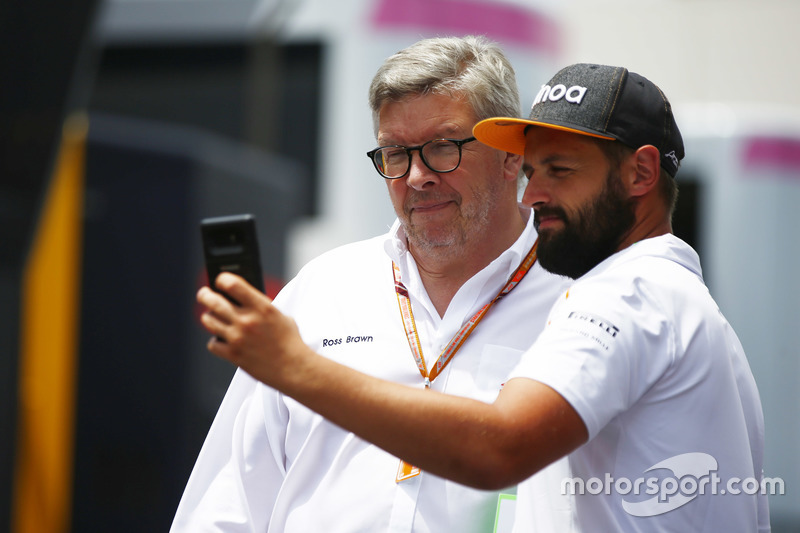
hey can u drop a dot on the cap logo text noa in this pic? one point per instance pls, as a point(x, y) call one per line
point(573, 95)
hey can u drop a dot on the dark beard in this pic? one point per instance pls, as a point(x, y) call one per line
point(590, 237)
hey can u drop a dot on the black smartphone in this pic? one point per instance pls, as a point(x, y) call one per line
point(230, 245)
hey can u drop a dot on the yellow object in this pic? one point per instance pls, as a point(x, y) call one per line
point(49, 347)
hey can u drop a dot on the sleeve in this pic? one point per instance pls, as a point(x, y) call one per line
point(241, 466)
point(234, 483)
point(604, 345)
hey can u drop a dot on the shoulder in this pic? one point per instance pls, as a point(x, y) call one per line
point(657, 266)
point(349, 259)
point(349, 267)
point(635, 299)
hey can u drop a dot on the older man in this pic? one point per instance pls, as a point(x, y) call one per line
point(447, 300)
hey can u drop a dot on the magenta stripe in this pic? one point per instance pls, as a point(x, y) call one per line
point(779, 153)
point(505, 23)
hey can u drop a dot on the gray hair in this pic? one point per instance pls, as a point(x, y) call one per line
point(471, 67)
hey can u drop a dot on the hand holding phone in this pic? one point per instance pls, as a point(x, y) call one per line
point(230, 245)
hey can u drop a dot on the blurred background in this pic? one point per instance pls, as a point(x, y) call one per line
point(124, 122)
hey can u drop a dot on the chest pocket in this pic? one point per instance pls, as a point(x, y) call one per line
point(495, 364)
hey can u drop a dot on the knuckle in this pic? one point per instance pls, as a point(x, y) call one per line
point(249, 324)
point(234, 337)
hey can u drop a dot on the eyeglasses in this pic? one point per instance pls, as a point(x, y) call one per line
point(439, 155)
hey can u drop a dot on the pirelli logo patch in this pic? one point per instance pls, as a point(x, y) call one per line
point(593, 327)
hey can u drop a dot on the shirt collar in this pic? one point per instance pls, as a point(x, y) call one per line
point(396, 243)
point(666, 246)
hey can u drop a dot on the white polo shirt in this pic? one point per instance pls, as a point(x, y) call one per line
point(640, 349)
point(270, 464)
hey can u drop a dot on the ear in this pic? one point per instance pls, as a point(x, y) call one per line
point(511, 165)
point(647, 167)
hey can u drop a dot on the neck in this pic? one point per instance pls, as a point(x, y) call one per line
point(651, 221)
point(444, 270)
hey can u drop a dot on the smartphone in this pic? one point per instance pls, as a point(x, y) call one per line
point(230, 245)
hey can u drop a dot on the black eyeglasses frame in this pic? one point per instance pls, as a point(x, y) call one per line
point(408, 149)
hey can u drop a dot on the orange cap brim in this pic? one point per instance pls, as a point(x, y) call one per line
point(508, 134)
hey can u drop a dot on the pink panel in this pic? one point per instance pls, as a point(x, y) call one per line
point(506, 23)
point(779, 153)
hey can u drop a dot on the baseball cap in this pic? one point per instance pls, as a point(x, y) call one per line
point(599, 101)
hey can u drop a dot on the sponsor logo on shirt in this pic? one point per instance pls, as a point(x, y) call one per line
point(593, 327)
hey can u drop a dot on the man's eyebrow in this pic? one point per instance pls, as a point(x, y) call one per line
point(447, 133)
point(553, 158)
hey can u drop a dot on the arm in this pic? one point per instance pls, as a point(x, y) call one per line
point(477, 444)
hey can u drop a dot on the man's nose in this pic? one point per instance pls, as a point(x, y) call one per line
point(419, 175)
point(535, 193)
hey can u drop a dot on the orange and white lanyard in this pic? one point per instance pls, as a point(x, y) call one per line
point(406, 471)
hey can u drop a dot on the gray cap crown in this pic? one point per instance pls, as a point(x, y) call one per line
point(612, 103)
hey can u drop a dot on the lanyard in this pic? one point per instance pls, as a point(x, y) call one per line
point(466, 329)
point(405, 470)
